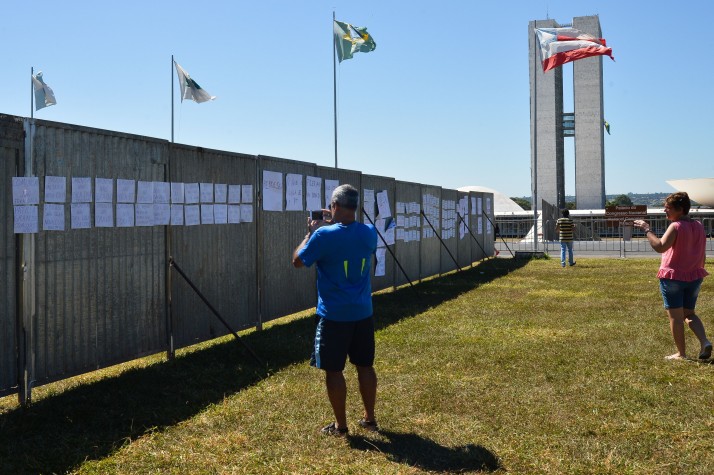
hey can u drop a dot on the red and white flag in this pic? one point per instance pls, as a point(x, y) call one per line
point(564, 45)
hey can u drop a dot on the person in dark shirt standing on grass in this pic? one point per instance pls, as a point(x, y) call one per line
point(342, 249)
point(565, 229)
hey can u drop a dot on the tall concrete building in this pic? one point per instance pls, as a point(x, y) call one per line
point(551, 125)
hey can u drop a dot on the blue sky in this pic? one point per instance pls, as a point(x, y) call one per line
point(443, 100)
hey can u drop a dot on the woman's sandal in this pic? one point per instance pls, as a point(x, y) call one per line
point(369, 425)
point(331, 429)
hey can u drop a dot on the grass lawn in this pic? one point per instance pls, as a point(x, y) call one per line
point(511, 366)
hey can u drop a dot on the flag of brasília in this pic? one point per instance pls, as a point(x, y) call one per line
point(351, 39)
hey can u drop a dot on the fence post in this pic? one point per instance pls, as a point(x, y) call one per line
point(25, 252)
point(168, 298)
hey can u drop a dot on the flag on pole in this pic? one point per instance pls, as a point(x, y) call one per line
point(352, 39)
point(563, 45)
point(190, 88)
point(44, 96)
point(607, 127)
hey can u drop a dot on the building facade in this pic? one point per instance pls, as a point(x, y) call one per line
point(551, 125)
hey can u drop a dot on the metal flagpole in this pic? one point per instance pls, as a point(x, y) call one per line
point(171, 351)
point(32, 93)
point(172, 98)
point(535, 137)
point(334, 81)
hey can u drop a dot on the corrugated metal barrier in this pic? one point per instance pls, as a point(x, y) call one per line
point(92, 285)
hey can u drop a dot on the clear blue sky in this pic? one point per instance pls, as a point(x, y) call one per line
point(443, 100)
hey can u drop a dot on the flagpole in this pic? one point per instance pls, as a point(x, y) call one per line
point(172, 98)
point(32, 93)
point(334, 82)
point(168, 255)
point(535, 137)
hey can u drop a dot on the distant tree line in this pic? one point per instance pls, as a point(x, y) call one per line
point(653, 200)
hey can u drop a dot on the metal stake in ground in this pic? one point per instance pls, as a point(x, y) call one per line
point(172, 264)
point(495, 230)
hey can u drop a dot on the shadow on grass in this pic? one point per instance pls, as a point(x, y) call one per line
point(89, 422)
point(417, 451)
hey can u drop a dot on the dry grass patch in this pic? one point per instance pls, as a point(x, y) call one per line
point(510, 367)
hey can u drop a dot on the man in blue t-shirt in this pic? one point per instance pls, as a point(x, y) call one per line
point(342, 248)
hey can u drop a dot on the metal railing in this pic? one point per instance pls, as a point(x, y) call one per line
point(595, 235)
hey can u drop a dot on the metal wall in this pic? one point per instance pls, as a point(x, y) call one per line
point(99, 292)
point(99, 296)
point(463, 238)
point(430, 245)
point(283, 289)
point(11, 159)
point(448, 253)
point(489, 231)
point(377, 184)
point(477, 249)
point(408, 253)
point(220, 260)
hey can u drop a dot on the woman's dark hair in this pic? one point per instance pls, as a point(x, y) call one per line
point(679, 200)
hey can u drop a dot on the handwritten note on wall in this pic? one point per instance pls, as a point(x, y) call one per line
point(104, 215)
point(55, 189)
point(162, 192)
point(383, 209)
point(272, 191)
point(125, 215)
point(233, 194)
point(293, 192)
point(177, 193)
point(26, 219)
point(330, 186)
point(192, 193)
point(125, 191)
point(206, 192)
point(313, 188)
point(220, 191)
point(25, 190)
point(81, 190)
point(53, 217)
point(246, 194)
point(103, 190)
point(81, 216)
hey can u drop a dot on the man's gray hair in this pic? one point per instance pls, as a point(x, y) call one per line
point(346, 196)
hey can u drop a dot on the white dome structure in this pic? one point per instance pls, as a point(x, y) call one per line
point(501, 202)
point(700, 190)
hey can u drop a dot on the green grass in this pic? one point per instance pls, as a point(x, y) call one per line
point(512, 366)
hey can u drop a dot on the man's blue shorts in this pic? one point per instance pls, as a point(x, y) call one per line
point(678, 293)
point(334, 341)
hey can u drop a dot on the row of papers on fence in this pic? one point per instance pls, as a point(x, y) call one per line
point(126, 203)
point(137, 203)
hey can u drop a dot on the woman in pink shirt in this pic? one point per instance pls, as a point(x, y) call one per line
point(681, 272)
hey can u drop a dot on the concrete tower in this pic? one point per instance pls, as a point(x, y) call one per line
point(550, 125)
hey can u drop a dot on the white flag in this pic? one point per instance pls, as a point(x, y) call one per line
point(43, 93)
point(190, 88)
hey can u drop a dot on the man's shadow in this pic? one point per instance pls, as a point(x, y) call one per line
point(417, 451)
